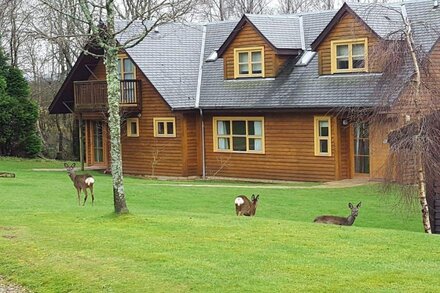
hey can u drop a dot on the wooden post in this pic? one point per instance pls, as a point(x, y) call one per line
point(81, 142)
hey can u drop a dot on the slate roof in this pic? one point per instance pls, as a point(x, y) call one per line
point(303, 87)
point(276, 27)
point(314, 23)
point(384, 20)
point(425, 22)
point(170, 59)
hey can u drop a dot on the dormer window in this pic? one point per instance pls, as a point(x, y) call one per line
point(349, 56)
point(249, 62)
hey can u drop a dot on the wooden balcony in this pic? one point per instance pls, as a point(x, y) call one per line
point(91, 95)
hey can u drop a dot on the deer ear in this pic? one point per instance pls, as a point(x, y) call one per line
point(73, 165)
point(252, 197)
point(65, 165)
point(350, 205)
point(358, 205)
point(258, 196)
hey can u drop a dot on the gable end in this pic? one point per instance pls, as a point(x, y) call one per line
point(335, 20)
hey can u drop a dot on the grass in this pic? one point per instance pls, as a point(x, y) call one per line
point(187, 238)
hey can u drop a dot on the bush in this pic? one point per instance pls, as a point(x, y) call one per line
point(32, 145)
point(18, 114)
point(17, 84)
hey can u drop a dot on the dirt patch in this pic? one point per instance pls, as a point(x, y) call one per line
point(7, 287)
point(9, 236)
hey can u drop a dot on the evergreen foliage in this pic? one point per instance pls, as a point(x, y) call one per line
point(17, 85)
point(18, 114)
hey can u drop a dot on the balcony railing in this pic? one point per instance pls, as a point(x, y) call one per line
point(91, 95)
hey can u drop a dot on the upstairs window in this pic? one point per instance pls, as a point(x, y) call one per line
point(349, 56)
point(127, 74)
point(249, 62)
point(322, 136)
point(126, 68)
point(239, 134)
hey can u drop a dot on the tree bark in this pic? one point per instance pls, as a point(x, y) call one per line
point(113, 93)
point(417, 81)
point(422, 194)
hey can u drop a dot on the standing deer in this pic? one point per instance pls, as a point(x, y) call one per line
point(340, 220)
point(81, 182)
point(246, 207)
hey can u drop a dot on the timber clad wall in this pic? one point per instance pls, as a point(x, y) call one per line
point(379, 150)
point(347, 28)
point(191, 146)
point(345, 168)
point(248, 37)
point(171, 156)
point(289, 151)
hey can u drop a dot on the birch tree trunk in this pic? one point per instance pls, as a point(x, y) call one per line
point(113, 94)
point(418, 149)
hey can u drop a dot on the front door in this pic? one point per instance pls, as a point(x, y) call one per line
point(361, 147)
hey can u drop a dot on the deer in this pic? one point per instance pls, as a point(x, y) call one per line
point(348, 221)
point(81, 182)
point(246, 207)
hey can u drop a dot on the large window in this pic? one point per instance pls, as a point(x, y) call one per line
point(164, 127)
point(239, 134)
point(322, 136)
point(349, 55)
point(249, 62)
point(361, 148)
point(98, 142)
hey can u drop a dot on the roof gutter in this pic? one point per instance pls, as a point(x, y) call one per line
point(197, 103)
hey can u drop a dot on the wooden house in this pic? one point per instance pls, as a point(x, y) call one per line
point(258, 98)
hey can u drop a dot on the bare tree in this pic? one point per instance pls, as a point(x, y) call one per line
point(408, 111)
point(99, 16)
point(251, 7)
point(14, 22)
point(216, 10)
point(295, 6)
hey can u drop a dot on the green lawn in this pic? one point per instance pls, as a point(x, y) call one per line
point(181, 238)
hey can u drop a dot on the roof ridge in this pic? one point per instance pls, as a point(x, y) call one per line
point(396, 2)
point(273, 15)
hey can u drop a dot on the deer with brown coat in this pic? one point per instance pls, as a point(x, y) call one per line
point(81, 182)
point(246, 207)
point(348, 221)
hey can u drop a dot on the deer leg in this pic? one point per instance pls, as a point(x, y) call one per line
point(78, 190)
point(85, 198)
point(93, 196)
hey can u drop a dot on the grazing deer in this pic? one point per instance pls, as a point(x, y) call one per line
point(340, 220)
point(81, 182)
point(246, 207)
